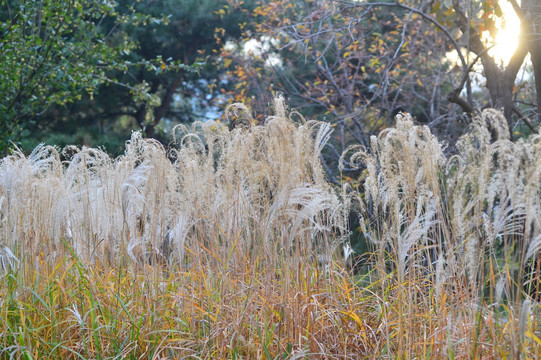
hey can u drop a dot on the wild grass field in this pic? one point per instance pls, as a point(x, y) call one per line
point(232, 245)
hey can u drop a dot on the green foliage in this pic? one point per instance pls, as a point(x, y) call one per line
point(53, 53)
point(153, 87)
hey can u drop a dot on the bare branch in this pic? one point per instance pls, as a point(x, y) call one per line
point(466, 69)
point(418, 12)
point(518, 9)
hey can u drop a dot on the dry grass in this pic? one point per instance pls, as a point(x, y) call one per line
point(453, 236)
point(230, 245)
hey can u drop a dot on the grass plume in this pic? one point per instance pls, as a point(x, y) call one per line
point(453, 235)
point(232, 244)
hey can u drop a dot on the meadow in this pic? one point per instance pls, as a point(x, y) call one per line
point(232, 244)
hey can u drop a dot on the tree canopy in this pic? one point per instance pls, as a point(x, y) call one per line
point(104, 67)
point(53, 53)
point(360, 63)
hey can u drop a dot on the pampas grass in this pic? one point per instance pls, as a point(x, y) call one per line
point(231, 243)
point(256, 192)
point(452, 235)
point(208, 249)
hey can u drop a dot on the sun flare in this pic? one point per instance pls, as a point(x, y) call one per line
point(506, 40)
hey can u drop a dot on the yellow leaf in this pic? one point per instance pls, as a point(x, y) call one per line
point(354, 316)
point(530, 335)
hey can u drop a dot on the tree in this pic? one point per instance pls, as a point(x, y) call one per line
point(185, 35)
point(362, 61)
point(189, 36)
point(356, 70)
point(54, 52)
point(530, 16)
point(500, 80)
point(471, 21)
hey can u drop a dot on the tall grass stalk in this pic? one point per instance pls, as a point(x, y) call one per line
point(227, 196)
point(208, 249)
point(448, 230)
point(231, 244)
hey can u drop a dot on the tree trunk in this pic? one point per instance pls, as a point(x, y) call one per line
point(500, 88)
point(500, 82)
point(536, 62)
point(533, 35)
point(141, 115)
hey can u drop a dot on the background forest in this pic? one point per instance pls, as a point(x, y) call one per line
point(89, 73)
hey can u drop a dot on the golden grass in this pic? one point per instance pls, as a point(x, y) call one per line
point(74, 311)
point(231, 246)
point(85, 312)
point(453, 236)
